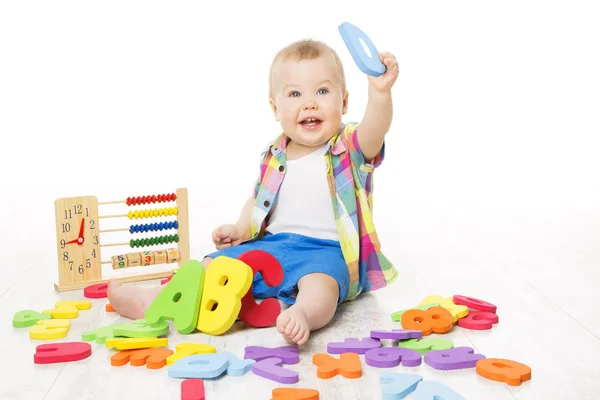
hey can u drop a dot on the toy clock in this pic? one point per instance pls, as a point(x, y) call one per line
point(80, 244)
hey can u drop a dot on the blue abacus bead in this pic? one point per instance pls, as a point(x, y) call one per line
point(176, 224)
point(369, 64)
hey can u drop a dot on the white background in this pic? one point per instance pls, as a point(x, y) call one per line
point(496, 108)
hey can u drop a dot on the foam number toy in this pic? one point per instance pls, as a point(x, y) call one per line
point(353, 345)
point(499, 369)
point(141, 328)
point(271, 368)
point(478, 320)
point(425, 345)
point(25, 318)
point(192, 389)
point(348, 365)
point(397, 386)
point(154, 358)
point(226, 282)
point(50, 329)
point(457, 311)
point(367, 61)
point(61, 352)
point(180, 300)
point(475, 304)
point(97, 291)
point(287, 354)
point(456, 358)
point(68, 308)
point(200, 366)
point(136, 343)
point(428, 390)
point(187, 349)
point(101, 335)
point(397, 316)
point(265, 313)
point(294, 394)
point(388, 357)
point(237, 367)
point(434, 319)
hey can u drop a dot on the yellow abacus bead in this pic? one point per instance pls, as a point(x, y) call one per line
point(155, 212)
point(161, 212)
point(146, 213)
point(136, 214)
point(170, 211)
point(130, 215)
point(175, 210)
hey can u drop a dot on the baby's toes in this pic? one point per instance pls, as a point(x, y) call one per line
point(282, 321)
point(295, 331)
point(304, 338)
point(298, 334)
point(290, 327)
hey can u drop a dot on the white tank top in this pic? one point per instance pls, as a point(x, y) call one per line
point(303, 203)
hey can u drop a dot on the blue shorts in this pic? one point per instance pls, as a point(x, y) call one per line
point(299, 256)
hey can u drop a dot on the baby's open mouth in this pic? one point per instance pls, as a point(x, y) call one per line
point(310, 122)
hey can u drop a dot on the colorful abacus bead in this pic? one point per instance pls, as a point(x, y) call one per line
point(145, 242)
point(172, 255)
point(161, 198)
point(119, 261)
point(147, 258)
point(151, 213)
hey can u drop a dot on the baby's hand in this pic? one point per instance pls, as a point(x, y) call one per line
point(226, 236)
point(385, 81)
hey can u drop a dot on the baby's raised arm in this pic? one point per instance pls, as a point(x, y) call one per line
point(378, 114)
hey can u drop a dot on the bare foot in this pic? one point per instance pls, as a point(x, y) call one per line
point(293, 325)
point(131, 301)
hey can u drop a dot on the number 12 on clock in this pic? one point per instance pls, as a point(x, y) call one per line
point(78, 240)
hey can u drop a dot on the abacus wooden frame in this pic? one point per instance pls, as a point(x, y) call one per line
point(183, 246)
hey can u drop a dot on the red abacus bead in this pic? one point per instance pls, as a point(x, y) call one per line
point(173, 196)
point(128, 201)
point(153, 199)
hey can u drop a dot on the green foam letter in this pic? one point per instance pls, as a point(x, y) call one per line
point(180, 300)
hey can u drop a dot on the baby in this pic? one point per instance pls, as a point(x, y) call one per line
point(312, 204)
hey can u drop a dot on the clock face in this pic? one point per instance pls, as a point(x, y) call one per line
point(78, 240)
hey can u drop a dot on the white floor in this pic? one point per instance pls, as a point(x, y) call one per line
point(541, 272)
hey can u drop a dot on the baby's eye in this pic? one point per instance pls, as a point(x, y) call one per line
point(323, 91)
point(294, 94)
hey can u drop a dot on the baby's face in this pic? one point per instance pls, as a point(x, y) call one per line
point(307, 100)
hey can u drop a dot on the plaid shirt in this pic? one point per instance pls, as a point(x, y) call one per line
point(350, 181)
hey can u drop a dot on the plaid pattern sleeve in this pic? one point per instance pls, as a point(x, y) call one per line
point(375, 270)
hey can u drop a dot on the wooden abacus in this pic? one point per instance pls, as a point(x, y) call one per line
point(79, 258)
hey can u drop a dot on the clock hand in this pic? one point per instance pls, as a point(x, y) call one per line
point(81, 230)
point(80, 239)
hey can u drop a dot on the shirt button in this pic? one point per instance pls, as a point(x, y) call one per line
point(266, 203)
point(281, 168)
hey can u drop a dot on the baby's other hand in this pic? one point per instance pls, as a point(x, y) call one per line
point(226, 236)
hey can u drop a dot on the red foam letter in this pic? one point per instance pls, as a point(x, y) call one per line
point(61, 352)
point(265, 313)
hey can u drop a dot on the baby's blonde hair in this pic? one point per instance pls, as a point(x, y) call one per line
point(306, 49)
